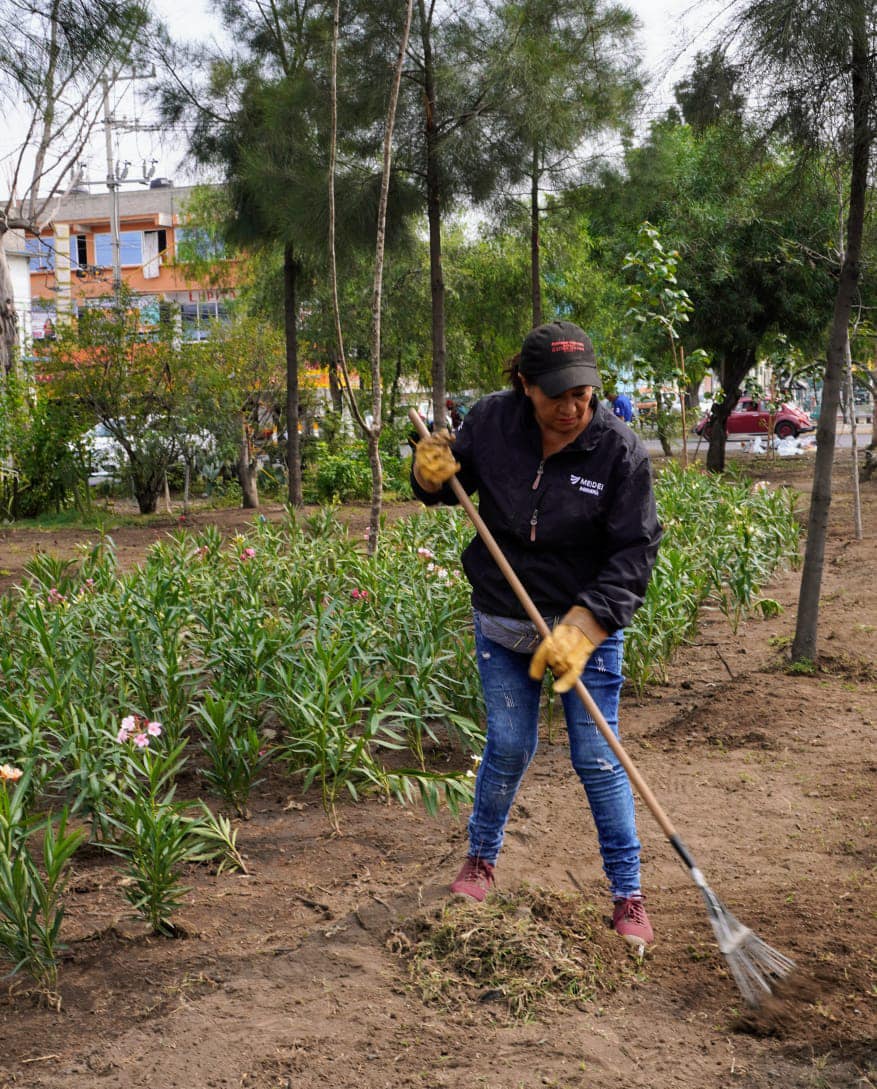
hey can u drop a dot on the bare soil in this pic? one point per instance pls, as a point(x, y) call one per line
point(291, 977)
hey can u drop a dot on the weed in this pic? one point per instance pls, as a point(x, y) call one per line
point(528, 950)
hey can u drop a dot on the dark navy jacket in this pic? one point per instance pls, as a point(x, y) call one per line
point(583, 531)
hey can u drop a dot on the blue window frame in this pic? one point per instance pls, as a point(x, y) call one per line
point(130, 249)
point(42, 251)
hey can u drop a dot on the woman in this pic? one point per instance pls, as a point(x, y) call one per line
point(566, 490)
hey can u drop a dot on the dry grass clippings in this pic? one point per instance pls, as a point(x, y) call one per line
point(530, 949)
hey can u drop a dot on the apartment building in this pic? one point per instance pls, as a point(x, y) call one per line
point(73, 261)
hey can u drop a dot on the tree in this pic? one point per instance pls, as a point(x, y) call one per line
point(120, 379)
point(373, 431)
point(570, 76)
point(489, 284)
point(55, 54)
point(710, 93)
point(227, 388)
point(817, 59)
point(270, 139)
point(658, 303)
point(453, 82)
point(754, 235)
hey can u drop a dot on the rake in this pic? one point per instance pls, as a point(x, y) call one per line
point(756, 967)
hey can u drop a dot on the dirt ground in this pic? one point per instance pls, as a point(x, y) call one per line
point(288, 978)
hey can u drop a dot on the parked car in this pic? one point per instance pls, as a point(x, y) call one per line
point(750, 416)
point(105, 456)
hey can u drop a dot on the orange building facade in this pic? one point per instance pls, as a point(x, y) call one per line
point(72, 262)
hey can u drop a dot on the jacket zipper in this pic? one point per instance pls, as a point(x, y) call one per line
point(534, 517)
point(539, 473)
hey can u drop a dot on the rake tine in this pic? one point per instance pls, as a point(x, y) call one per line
point(756, 966)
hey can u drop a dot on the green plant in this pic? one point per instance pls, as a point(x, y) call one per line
point(751, 532)
point(337, 476)
point(234, 748)
point(31, 906)
point(214, 838)
point(153, 833)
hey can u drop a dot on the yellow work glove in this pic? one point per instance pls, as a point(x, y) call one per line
point(433, 461)
point(565, 651)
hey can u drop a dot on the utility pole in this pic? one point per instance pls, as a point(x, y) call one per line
point(116, 174)
point(113, 183)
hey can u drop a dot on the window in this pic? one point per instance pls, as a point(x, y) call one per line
point(196, 318)
point(154, 245)
point(42, 251)
point(78, 251)
point(130, 249)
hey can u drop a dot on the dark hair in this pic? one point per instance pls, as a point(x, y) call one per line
point(512, 371)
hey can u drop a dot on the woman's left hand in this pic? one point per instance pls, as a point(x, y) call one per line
point(567, 649)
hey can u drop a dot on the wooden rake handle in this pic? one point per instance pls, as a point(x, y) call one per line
point(640, 785)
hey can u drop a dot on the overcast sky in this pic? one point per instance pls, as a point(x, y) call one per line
point(673, 31)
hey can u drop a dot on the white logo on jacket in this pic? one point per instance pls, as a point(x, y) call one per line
point(589, 487)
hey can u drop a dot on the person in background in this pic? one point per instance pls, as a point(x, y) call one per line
point(566, 490)
point(621, 406)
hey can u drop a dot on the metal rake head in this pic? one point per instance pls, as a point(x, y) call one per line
point(757, 967)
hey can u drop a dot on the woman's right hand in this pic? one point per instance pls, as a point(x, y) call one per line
point(434, 464)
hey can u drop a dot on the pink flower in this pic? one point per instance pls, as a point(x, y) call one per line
point(153, 729)
point(10, 774)
point(141, 741)
point(248, 554)
point(128, 727)
point(54, 596)
point(425, 554)
point(359, 595)
point(89, 583)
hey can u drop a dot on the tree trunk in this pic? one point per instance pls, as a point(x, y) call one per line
point(434, 219)
point(733, 372)
point(248, 469)
point(374, 433)
point(291, 268)
point(851, 403)
point(804, 643)
point(146, 488)
point(661, 418)
point(335, 394)
point(377, 470)
point(8, 315)
point(535, 271)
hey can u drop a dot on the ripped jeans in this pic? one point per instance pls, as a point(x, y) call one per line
point(512, 701)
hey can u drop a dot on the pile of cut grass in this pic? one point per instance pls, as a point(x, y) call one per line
point(528, 950)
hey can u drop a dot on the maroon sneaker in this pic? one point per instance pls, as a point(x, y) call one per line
point(474, 880)
point(629, 919)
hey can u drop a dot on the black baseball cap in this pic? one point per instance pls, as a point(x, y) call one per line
point(557, 357)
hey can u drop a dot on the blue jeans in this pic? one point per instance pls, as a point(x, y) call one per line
point(512, 700)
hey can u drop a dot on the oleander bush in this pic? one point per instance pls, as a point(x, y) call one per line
point(288, 647)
